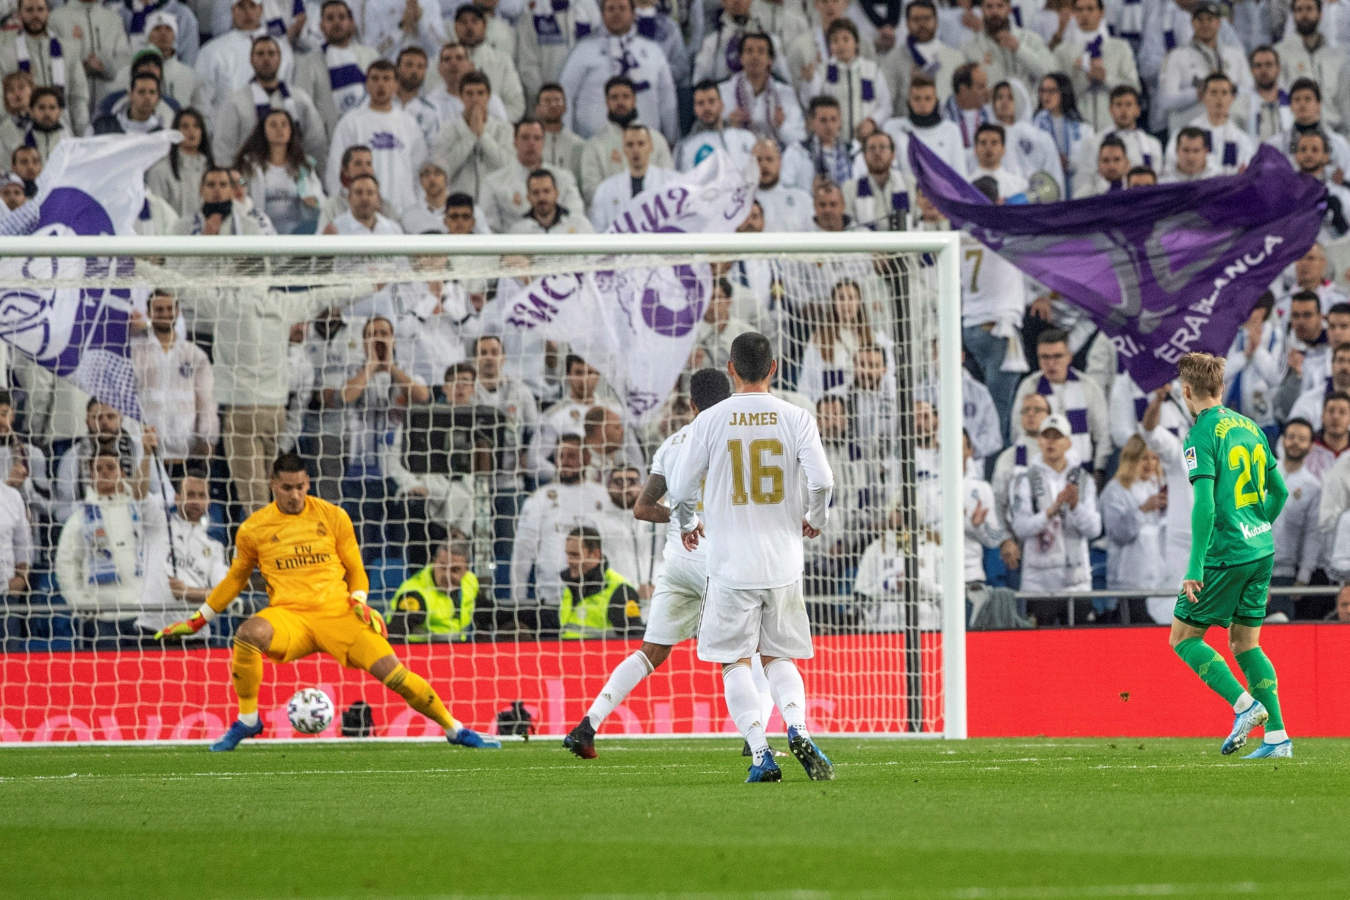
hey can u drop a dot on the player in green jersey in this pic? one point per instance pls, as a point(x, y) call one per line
point(1237, 492)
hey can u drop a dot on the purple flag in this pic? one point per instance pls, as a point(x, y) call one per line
point(1161, 270)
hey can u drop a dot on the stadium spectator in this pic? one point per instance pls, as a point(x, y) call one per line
point(1127, 404)
point(177, 177)
point(362, 216)
point(786, 208)
point(538, 551)
point(546, 215)
point(224, 64)
point(1072, 395)
point(241, 111)
point(592, 600)
point(393, 137)
point(855, 82)
point(842, 328)
point(51, 57)
point(547, 37)
point(1229, 146)
point(562, 147)
point(16, 122)
point(719, 328)
point(410, 73)
point(1140, 176)
point(1192, 160)
point(1309, 404)
point(603, 153)
point(594, 60)
point(1008, 51)
point(828, 203)
point(471, 33)
point(472, 145)
point(922, 52)
point(631, 544)
point(1307, 53)
point(1342, 611)
point(1113, 165)
point(177, 387)
point(1311, 158)
point(454, 64)
point(756, 101)
point(1309, 359)
point(1186, 66)
point(136, 113)
point(1096, 62)
point(890, 571)
point(505, 197)
point(1299, 539)
point(178, 84)
point(1310, 274)
point(718, 55)
point(183, 566)
point(11, 191)
point(217, 212)
point(808, 50)
point(1058, 116)
point(983, 528)
point(300, 390)
point(609, 445)
point(495, 389)
point(612, 196)
point(710, 132)
point(857, 484)
point(1055, 514)
point(46, 127)
point(1305, 102)
point(427, 215)
point(101, 39)
point(1011, 463)
point(23, 463)
point(880, 198)
point(440, 602)
point(17, 550)
point(103, 432)
point(924, 120)
point(1265, 108)
point(1255, 365)
point(826, 155)
point(104, 543)
point(1142, 148)
point(388, 27)
point(1029, 149)
point(990, 149)
point(282, 179)
point(334, 73)
point(1132, 509)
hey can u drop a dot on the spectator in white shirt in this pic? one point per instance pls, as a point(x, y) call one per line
point(709, 132)
point(756, 101)
point(1311, 156)
point(1299, 541)
point(1142, 148)
point(1305, 103)
point(615, 192)
point(880, 199)
point(473, 144)
point(223, 65)
point(827, 153)
point(1256, 365)
point(921, 52)
point(856, 82)
point(471, 32)
point(546, 34)
point(1185, 68)
point(786, 207)
point(16, 544)
point(363, 215)
point(429, 213)
point(23, 465)
point(240, 110)
point(182, 570)
point(1132, 505)
point(391, 25)
point(410, 74)
point(453, 64)
point(1113, 165)
point(282, 179)
point(1192, 159)
point(925, 122)
point(1265, 109)
point(505, 198)
point(1229, 146)
point(394, 138)
point(602, 154)
point(546, 215)
point(334, 74)
point(1028, 149)
point(1072, 395)
point(619, 50)
point(1057, 115)
point(1307, 53)
point(562, 147)
point(177, 388)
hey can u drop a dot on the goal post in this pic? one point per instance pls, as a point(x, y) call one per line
point(887, 595)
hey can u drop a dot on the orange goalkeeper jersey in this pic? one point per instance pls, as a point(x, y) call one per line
point(310, 560)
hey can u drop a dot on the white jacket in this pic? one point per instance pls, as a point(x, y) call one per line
point(101, 556)
point(1055, 549)
point(597, 59)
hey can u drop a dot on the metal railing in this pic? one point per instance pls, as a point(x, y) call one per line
point(1069, 597)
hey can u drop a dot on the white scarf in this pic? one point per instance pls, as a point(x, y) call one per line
point(345, 78)
point(54, 48)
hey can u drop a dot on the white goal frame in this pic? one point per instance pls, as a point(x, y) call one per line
point(944, 247)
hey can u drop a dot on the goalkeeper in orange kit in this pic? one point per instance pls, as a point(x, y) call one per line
point(306, 550)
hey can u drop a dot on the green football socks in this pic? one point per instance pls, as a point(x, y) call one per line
point(1213, 671)
point(1262, 684)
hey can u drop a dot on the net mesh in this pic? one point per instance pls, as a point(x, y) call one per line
point(463, 450)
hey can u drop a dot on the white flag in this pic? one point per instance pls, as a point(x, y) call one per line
point(89, 186)
point(637, 325)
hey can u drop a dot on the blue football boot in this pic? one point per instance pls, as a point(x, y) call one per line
point(1243, 723)
point(765, 771)
point(236, 733)
point(1279, 750)
point(817, 765)
point(468, 738)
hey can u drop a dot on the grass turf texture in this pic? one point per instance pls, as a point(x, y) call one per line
point(975, 819)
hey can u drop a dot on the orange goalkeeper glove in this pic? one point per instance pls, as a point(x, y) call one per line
point(372, 618)
point(191, 625)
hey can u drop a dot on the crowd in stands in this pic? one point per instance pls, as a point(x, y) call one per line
point(492, 477)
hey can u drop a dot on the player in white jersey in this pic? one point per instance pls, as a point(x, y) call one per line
point(679, 588)
point(745, 462)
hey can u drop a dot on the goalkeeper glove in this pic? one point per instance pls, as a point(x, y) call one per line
point(191, 625)
point(373, 620)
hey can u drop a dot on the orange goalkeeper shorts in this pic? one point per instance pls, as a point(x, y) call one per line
point(335, 631)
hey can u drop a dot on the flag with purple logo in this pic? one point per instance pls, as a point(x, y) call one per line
point(637, 324)
point(53, 308)
point(1162, 270)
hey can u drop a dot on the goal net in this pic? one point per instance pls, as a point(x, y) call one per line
point(439, 392)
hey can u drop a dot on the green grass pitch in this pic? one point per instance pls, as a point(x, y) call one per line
point(973, 819)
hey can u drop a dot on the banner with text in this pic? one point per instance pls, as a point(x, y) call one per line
point(1162, 270)
point(637, 324)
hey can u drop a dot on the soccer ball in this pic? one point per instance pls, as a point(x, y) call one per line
point(310, 710)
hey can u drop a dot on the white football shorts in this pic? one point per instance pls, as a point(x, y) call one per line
point(675, 602)
point(740, 622)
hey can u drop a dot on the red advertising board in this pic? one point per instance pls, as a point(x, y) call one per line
point(1072, 682)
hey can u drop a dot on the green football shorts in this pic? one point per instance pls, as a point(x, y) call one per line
point(1230, 594)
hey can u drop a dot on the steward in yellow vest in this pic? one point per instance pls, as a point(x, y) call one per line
point(596, 601)
point(437, 604)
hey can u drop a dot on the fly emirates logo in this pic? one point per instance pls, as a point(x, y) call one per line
point(1251, 531)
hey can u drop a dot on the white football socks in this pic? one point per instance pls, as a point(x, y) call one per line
point(743, 705)
point(622, 680)
point(789, 693)
point(762, 685)
point(1276, 737)
point(1243, 702)
point(249, 719)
